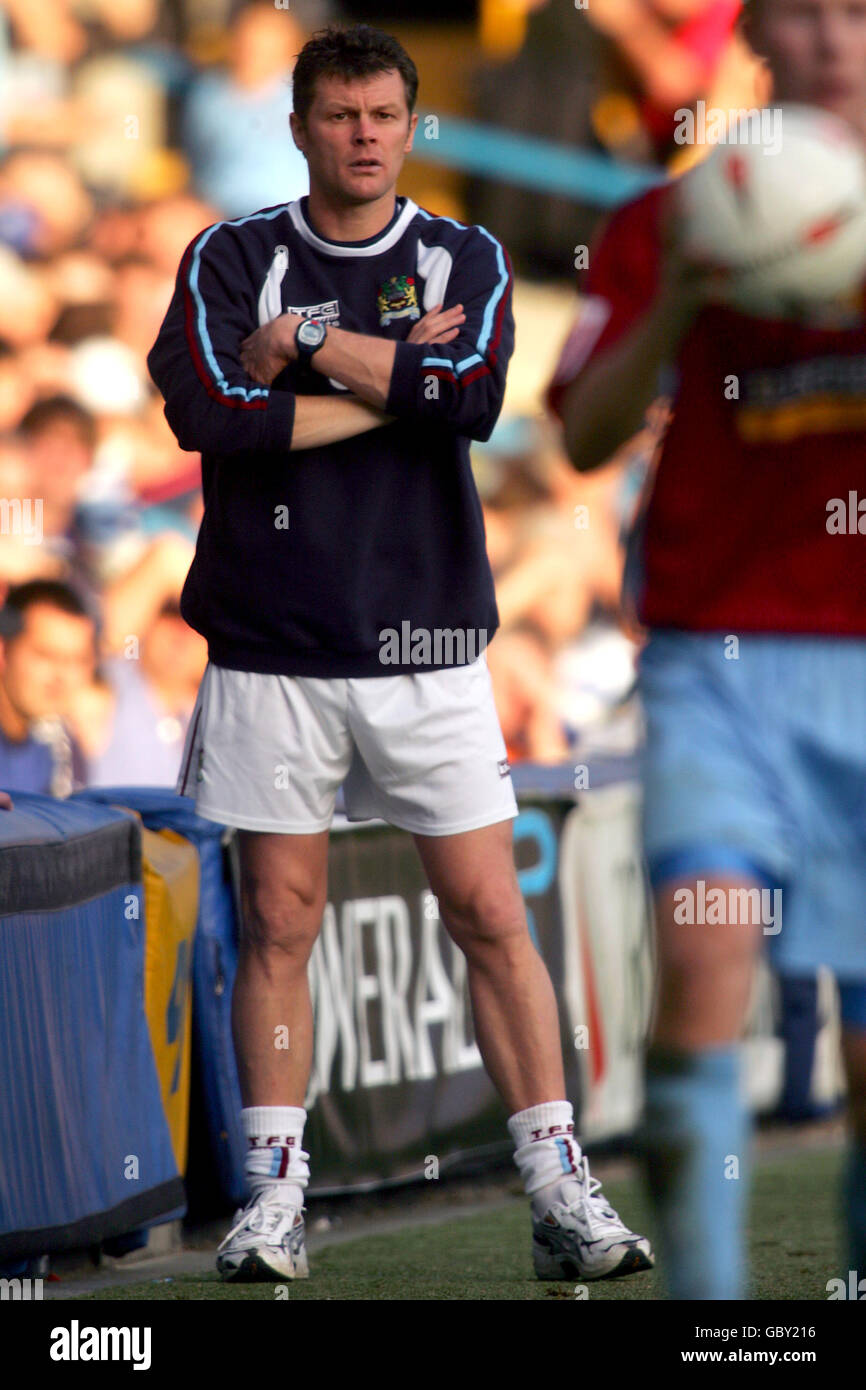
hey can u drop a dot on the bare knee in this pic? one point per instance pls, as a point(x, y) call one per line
point(705, 964)
point(696, 957)
point(281, 915)
point(282, 901)
point(693, 946)
point(487, 923)
point(281, 925)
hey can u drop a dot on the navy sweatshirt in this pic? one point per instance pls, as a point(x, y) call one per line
point(306, 560)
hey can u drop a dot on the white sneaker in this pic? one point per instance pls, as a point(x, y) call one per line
point(266, 1242)
point(584, 1238)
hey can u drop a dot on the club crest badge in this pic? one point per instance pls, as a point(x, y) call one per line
point(398, 299)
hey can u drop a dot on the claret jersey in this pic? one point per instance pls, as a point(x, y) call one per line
point(757, 516)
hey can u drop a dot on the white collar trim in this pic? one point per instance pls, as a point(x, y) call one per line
point(334, 248)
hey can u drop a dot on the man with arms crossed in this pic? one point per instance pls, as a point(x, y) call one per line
point(339, 504)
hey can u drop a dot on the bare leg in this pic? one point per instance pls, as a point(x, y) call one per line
point(283, 890)
point(513, 1003)
point(705, 975)
point(695, 1124)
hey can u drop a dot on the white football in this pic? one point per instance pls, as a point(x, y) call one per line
point(780, 208)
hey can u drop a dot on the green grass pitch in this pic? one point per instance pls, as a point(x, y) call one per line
point(795, 1241)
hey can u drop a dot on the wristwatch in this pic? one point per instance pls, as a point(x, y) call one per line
point(309, 337)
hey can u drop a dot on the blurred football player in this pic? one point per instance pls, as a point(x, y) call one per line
point(754, 673)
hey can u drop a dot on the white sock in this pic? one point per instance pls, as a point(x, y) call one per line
point(546, 1151)
point(274, 1157)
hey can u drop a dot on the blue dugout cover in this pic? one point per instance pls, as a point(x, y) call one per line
point(216, 1098)
point(85, 1151)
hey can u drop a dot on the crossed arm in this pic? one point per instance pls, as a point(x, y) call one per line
point(215, 375)
point(358, 361)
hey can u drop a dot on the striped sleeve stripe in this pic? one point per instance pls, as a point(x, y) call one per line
point(491, 325)
point(198, 338)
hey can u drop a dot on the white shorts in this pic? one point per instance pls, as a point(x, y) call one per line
point(424, 752)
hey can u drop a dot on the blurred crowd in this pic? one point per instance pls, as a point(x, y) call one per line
point(125, 128)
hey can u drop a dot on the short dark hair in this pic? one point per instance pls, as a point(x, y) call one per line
point(53, 409)
point(22, 597)
point(359, 51)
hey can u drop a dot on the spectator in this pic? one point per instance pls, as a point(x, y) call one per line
point(41, 186)
point(39, 45)
point(47, 653)
point(60, 436)
point(124, 95)
point(163, 229)
point(236, 124)
point(22, 554)
point(132, 723)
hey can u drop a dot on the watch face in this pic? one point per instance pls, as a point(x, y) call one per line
point(311, 333)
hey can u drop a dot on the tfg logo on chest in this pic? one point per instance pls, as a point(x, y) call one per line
point(328, 312)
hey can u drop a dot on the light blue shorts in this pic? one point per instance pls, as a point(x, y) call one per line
point(755, 766)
